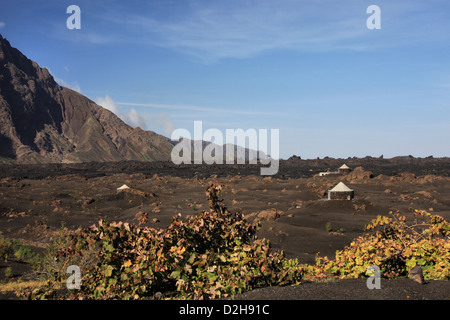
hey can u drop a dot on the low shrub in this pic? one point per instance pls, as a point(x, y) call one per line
point(210, 255)
point(59, 254)
point(11, 249)
point(396, 246)
point(6, 248)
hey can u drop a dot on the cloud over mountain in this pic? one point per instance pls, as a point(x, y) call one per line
point(41, 121)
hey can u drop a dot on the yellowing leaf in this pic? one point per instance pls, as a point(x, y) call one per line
point(127, 263)
point(109, 270)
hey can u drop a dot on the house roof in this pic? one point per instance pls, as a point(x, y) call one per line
point(344, 166)
point(341, 187)
point(123, 187)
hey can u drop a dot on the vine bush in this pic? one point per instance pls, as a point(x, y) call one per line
point(396, 246)
point(210, 255)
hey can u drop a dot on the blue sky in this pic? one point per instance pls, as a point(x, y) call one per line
point(310, 68)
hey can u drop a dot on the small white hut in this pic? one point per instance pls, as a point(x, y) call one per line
point(341, 192)
point(120, 189)
point(344, 169)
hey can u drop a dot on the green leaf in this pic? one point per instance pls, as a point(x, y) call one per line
point(420, 251)
point(109, 247)
point(211, 276)
point(421, 262)
point(175, 274)
point(109, 270)
point(192, 258)
point(411, 263)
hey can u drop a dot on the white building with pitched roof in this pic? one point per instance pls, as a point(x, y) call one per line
point(344, 169)
point(341, 192)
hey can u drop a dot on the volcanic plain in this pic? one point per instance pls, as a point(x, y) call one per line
point(292, 206)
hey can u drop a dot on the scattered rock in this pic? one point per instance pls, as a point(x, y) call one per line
point(88, 201)
point(141, 217)
point(297, 204)
point(429, 179)
point(361, 207)
point(156, 210)
point(15, 215)
point(406, 198)
point(358, 174)
point(426, 194)
point(269, 214)
point(416, 274)
point(158, 295)
point(320, 191)
point(266, 215)
point(138, 192)
point(405, 176)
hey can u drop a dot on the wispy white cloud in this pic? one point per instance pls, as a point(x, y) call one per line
point(2, 24)
point(159, 122)
point(214, 30)
point(136, 120)
point(200, 109)
point(162, 121)
point(132, 118)
point(108, 103)
point(71, 85)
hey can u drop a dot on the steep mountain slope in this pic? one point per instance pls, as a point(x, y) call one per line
point(41, 121)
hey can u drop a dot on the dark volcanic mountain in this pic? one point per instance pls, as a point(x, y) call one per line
point(41, 121)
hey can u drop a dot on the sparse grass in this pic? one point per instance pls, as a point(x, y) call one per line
point(20, 287)
point(16, 250)
point(330, 229)
point(8, 272)
point(6, 249)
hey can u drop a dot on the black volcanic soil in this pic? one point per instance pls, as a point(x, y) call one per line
point(36, 199)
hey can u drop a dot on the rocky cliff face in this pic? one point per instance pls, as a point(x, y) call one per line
point(41, 121)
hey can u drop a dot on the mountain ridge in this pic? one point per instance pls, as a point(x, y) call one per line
point(42, 121)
